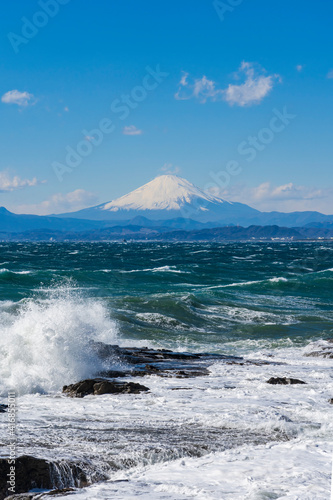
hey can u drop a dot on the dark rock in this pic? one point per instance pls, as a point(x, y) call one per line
point(331, 401)
point(284, 381)
point(107, 387)
point(284, 418)
point(181, 388)
point(324, 349)
point(102, 386)
point(3, 408)
point(198, 372)
point(152, 369)
point(32, 472)
point(142, 361)
point(22, 496)
point(31, 496)
point(116, 373)
point(144, 355)
point(59, 492)
point(325, 353)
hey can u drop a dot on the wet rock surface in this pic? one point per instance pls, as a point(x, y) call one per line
point(324, 349)
point(163, 362)
point(30, 496)
point(3, 408)
point(22, 496)
point(140, 362)
point(284, 381)
point(132, 445)
point(37, 473)
point(101, 386)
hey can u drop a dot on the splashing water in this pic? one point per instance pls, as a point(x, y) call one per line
point(46, 343)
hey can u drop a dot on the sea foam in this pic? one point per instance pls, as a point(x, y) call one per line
point(46, 343)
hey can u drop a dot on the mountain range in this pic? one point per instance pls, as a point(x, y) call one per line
point(171, 197)
point(167, 203)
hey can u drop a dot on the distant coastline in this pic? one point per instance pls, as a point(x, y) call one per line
point(142, 233)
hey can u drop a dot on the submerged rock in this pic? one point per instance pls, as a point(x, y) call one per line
point(100, 386)
point(323, 349)
point(22, 496)
point(284, 381)
point(142, 361)
point(37, 473)
point(31, 496)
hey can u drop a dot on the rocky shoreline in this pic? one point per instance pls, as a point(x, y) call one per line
point(32, 472)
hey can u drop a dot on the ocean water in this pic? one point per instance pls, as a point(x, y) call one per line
point(226, 436)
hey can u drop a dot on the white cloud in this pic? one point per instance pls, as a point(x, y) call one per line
point(8, 183)
point(288, 197)
point(169, 168)
point(330, 74)
point(200, 88)
point(17, 97)
point(255, 87)
point(60, 203)
point(183, 80)
point(132, 130)
point(300, 67)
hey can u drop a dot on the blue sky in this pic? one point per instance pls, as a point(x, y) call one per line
point(200, 84)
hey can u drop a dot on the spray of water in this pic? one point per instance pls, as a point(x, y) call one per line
point(45, 343)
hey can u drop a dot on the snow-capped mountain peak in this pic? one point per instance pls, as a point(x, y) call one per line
point(169, 197)
point(166, 192)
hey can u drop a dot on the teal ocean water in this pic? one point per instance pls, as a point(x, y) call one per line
point(199, 296)
point(264, 301)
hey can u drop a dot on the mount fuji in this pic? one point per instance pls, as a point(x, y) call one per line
point(172, 198)
point(169, 197)
point(164, 204)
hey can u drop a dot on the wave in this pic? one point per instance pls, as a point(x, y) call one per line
point(255, 282)
point(170, 269)
point(4, 270)
point(5, 304)
point(241, 283)
point(248, 257)
point(247, 316)
point(45, 344)
point(293, 281)
point(160, 320)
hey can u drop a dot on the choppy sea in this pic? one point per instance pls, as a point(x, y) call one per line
point(229, 435)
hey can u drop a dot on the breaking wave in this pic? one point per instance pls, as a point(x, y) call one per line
point(45, 343)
